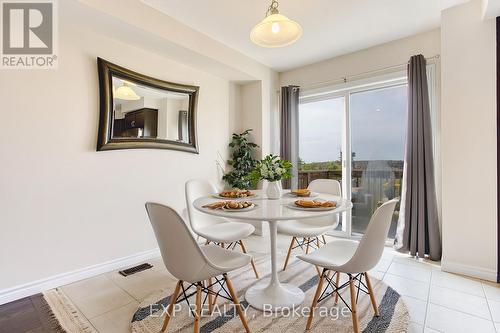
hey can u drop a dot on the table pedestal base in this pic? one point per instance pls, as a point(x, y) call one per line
point(269, 296)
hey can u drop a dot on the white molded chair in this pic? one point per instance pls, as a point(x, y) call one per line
point(354, 259)
point(305, 233)
point(190, 263)
point(214, 229)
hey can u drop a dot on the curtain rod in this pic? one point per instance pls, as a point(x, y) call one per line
point(348, 77)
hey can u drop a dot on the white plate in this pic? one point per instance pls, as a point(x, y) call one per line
point(312, 195)
point(252, 207)
point(319, 209)
point(216, 195)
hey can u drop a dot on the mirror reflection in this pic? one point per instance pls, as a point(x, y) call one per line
point(141, 111)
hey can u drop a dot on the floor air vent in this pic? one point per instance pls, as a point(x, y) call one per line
point(135, 269)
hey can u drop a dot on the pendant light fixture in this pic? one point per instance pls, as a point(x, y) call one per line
point(275, 30)
point(126, 93)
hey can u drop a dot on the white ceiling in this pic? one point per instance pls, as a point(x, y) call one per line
point(331, 27)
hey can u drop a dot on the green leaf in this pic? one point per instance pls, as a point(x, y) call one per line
point(242, 161)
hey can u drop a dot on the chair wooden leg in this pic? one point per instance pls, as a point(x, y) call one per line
point(354, 306)
point(197, 310)
point(324, 239)
point(236, 303)
point(251, 261)
point(317, 245)
point(173, 298)
point(288, 254)
point(372, 295)
point(210, 296)
point(315, 299)
point(337, 282)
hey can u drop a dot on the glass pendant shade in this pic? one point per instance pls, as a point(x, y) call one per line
point(126, 93)
point(276, 30)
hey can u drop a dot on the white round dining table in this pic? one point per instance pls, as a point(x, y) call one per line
point(268, 293)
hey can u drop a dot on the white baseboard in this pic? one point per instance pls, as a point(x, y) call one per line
point(31, 288)
point(473, 271)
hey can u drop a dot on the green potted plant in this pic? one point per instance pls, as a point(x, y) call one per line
point(241, 162)
point(273, 169)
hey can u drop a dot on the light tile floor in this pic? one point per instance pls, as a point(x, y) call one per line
point(437, 301)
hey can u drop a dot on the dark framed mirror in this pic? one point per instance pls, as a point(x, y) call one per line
point(138, 111)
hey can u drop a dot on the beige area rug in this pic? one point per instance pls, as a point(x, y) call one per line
point(64, 316)
point(394, 316)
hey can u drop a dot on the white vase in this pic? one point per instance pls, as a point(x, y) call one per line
point(273, 190)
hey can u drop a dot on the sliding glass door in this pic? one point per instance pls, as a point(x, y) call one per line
point(321, 141)
point(356, 136)
point(378, 132)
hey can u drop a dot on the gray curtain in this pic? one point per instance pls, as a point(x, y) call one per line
point(420, 229)
point(289, 131)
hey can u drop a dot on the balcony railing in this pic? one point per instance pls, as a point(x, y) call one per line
point(307, 176)
point(369, 189)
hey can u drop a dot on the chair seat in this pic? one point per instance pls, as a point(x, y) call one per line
point(220, 261)
point(225, 260)
point(226, 232)
point(302, 228)
point(332, 255)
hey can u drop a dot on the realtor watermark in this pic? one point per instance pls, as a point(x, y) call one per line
point(29, 34)
point(229, 310)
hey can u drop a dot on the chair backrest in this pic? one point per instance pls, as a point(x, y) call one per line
point(372, 244)
point(180, 252)
point(329, 186)
point(196, 188)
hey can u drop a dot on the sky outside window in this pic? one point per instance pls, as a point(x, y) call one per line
point(321, 130)
point(378, 125)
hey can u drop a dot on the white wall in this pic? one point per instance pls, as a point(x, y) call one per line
point(165, 34)
point(235, 125)
point(469, 142)
point(251, 96)
point(163, 120)
point(68, 211)
point(64, 206)
point(143, 102)
point(173, 108)
point(372, 59)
